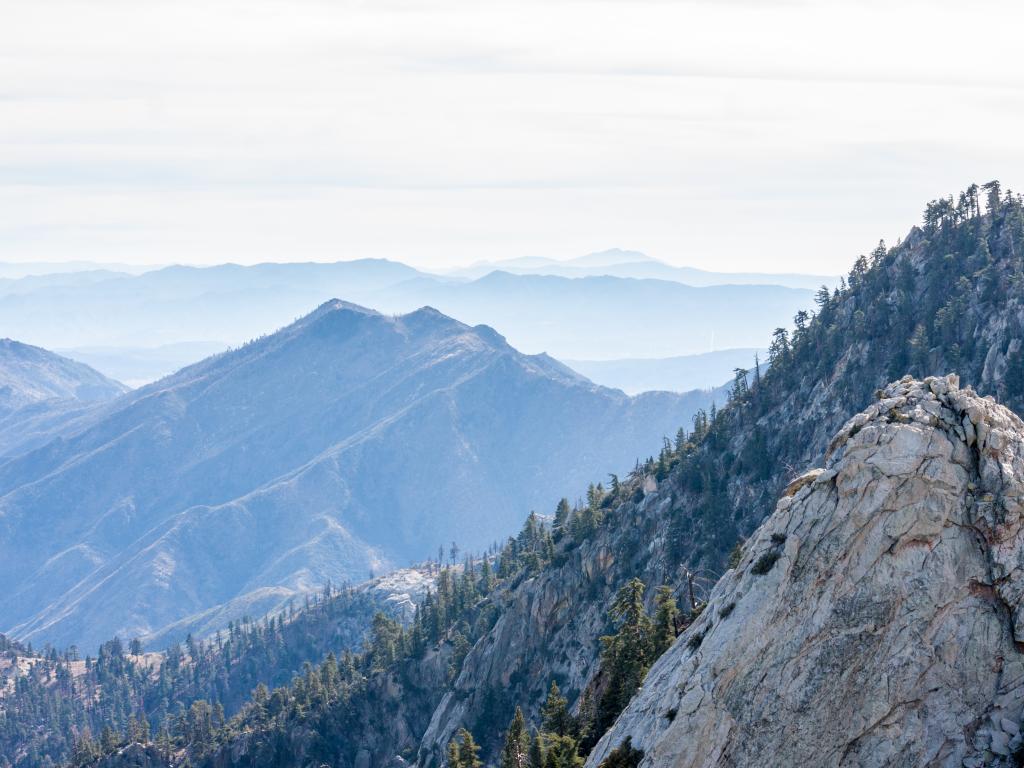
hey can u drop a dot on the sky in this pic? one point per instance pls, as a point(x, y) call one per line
point(774, 135)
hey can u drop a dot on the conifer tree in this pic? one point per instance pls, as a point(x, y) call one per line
point(562, 752)
point(468, 750)
point(515, 752)
point(665, 616)
point(536, 752)
point(555, 712)
point(626, 655)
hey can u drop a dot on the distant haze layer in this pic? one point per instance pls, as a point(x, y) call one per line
point(672, 374)
point(586, 317)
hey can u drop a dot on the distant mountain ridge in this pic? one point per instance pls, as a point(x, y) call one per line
point(581, 315)
point(672, 374)
point(616, 262)
point(343, 444)
point(30, 375)
point(895, 571)
point(607, 317)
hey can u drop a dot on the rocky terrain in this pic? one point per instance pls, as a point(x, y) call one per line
point(948, 298)
point(908, 308)
point(875, 617)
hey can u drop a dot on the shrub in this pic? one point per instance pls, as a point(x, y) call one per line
point(764, 563)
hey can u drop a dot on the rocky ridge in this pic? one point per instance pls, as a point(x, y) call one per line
point(875, 617)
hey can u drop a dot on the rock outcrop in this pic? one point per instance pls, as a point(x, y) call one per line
point(874, 618)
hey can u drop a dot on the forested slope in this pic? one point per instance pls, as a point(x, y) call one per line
point(948, 298)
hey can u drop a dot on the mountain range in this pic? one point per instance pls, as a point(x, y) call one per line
point(340, 446)
point(863, 528)
point(674, 374)
point(616, 262)
point(121, 322)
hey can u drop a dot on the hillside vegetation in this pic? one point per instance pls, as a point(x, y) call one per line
point(579, 603)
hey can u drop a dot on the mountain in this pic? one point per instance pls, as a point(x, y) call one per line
point(344, 444)
point(673, 374)
point(874, 618)
point(633, 264)
point(948, 297)
point(584, 318)
point(15, 270)
point(608, 317)
point(538, 264)
point(32, 283)
point(40, 391)
point(227, 303)
point(944, 299)
point(31, 375)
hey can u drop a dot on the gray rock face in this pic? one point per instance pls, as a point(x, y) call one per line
point(875, 617)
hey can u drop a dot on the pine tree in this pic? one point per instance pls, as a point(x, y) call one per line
point(468, 750)
point(486, 576)
point(665, 616)
point(623, 756)
point(536, 752)
point(562, 512)
point(454, 761)
point(626, 655)
point(515, 752)
point(562, 752)
point(555, 712)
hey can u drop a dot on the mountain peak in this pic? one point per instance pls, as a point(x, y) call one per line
point(313, 454)
point(885, 588)
point(339, 305)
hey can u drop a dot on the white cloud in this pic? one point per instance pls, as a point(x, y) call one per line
point(785, 135)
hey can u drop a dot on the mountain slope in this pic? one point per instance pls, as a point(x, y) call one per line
point(347, 442)
point(30, 375)
point(948, 297)
point(875, 618)
point(685, 512)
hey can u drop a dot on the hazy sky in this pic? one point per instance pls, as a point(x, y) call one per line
point(726, 135)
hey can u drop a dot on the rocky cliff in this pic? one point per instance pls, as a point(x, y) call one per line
point(875, 617)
